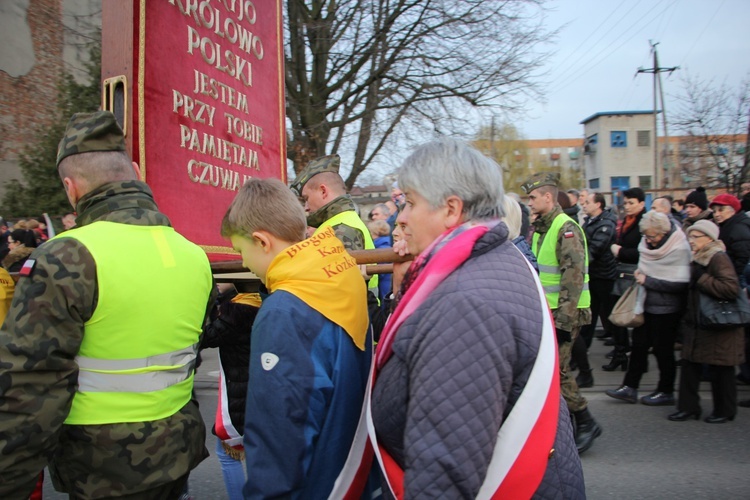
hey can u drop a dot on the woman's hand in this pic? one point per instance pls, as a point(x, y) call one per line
point(399, 268)
point(640, 278)
point(615, 248)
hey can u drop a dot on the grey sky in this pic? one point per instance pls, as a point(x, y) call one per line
point(604, 42)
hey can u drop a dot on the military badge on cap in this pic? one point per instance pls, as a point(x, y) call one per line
point(89, 132)
point(330, 163)
point(541, 179)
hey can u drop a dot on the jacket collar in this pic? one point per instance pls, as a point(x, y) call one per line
point(121, 201)
point(543, 223)
point(341, 204)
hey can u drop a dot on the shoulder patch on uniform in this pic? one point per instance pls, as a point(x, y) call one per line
point(268, 360)
point(568, 234)
point(27, 268)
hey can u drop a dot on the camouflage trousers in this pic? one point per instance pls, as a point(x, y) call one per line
point(568, 385)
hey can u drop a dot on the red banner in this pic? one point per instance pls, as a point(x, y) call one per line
point(209, 102)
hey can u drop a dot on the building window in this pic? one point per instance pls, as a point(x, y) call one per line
point(621, 183)
point(590, 145)
point(618, 139)
point(644, 138)
point(542, 151)
point(593, 183)
point(644, 181)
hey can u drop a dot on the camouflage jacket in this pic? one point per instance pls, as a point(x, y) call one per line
point(352, 237)
point(38, 376)
point(570, 254)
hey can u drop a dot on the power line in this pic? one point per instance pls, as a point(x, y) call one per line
point(702, 32)
point(600, 25)
point(572, 78)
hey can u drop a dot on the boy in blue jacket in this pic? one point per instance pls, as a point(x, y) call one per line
point(310, 347)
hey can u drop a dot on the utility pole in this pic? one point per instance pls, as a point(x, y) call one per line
point(656, 71)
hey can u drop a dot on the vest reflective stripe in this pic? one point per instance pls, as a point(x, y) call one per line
point(137, 356)
point(179, 357)
point(556, 269)
point(351, 219)
point(549, 267)
point(557, 288)
point(94, 381)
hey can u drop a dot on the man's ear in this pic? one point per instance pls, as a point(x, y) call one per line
point(324, 192)
point(454, 208)
point(137, 171)
point(71, 190)
point(264, 239)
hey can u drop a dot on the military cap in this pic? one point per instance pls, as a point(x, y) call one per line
point(541, 179)
point(89, 132)
point(330, 163)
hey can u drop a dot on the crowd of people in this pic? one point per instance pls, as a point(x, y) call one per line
point(452, 377)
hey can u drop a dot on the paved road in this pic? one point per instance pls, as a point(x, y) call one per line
point(640, 455)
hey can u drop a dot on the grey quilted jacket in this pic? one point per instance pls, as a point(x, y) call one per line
point(460, 362)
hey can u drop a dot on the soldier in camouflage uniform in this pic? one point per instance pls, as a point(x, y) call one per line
point(568, 295)
point(323, 192)
point(43, 339)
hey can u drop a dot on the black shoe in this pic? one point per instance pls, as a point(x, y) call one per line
point(609, 342)
point(585, 379)
point(681, 416)
point(658, 399)
point(586, 430)
point(713, 419)
point(623, 393)
point(604, 335)
point(741, 379)
point(611, 354)
point(745, 403)
point(617, 360)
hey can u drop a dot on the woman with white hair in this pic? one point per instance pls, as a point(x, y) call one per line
point(712, 273)
point(466, 366)
point(664, 271)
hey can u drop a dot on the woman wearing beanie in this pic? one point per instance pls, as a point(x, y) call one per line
point(696, 208)
point(712, 273)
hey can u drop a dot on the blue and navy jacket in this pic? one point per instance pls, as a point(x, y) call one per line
point(306, 386)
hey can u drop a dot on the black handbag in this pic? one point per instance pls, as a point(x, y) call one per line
point(715, 314)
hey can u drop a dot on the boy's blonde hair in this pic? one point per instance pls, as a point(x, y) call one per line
point(265, 205)
point(379, 228)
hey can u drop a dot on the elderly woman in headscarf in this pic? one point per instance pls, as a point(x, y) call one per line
point(712, 273)
point(467, 363)
point(664, 271)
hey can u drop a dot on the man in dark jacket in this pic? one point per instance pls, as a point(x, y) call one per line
point(600, 228)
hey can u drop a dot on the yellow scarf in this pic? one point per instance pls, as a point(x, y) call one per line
point(248, 299)
point(6, 293)
point(320, 272)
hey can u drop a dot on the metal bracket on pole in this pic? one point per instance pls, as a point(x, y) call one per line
point(115, 99)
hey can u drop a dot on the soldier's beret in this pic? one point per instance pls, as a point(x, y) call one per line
point(541, 179)
point(89, 132)
point(330, 163)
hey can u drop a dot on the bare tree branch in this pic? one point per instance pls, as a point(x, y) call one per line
point(360, 74)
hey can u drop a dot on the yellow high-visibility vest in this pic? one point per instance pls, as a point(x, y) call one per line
point(549, 267)
point(137, 357)
point(351, 219)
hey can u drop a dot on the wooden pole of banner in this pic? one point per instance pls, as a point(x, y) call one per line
point(118, 46)
point(377, 256)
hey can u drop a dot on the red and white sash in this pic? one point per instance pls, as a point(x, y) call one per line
point(525, 438)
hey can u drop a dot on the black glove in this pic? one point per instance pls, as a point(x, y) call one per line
point(562, 336)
